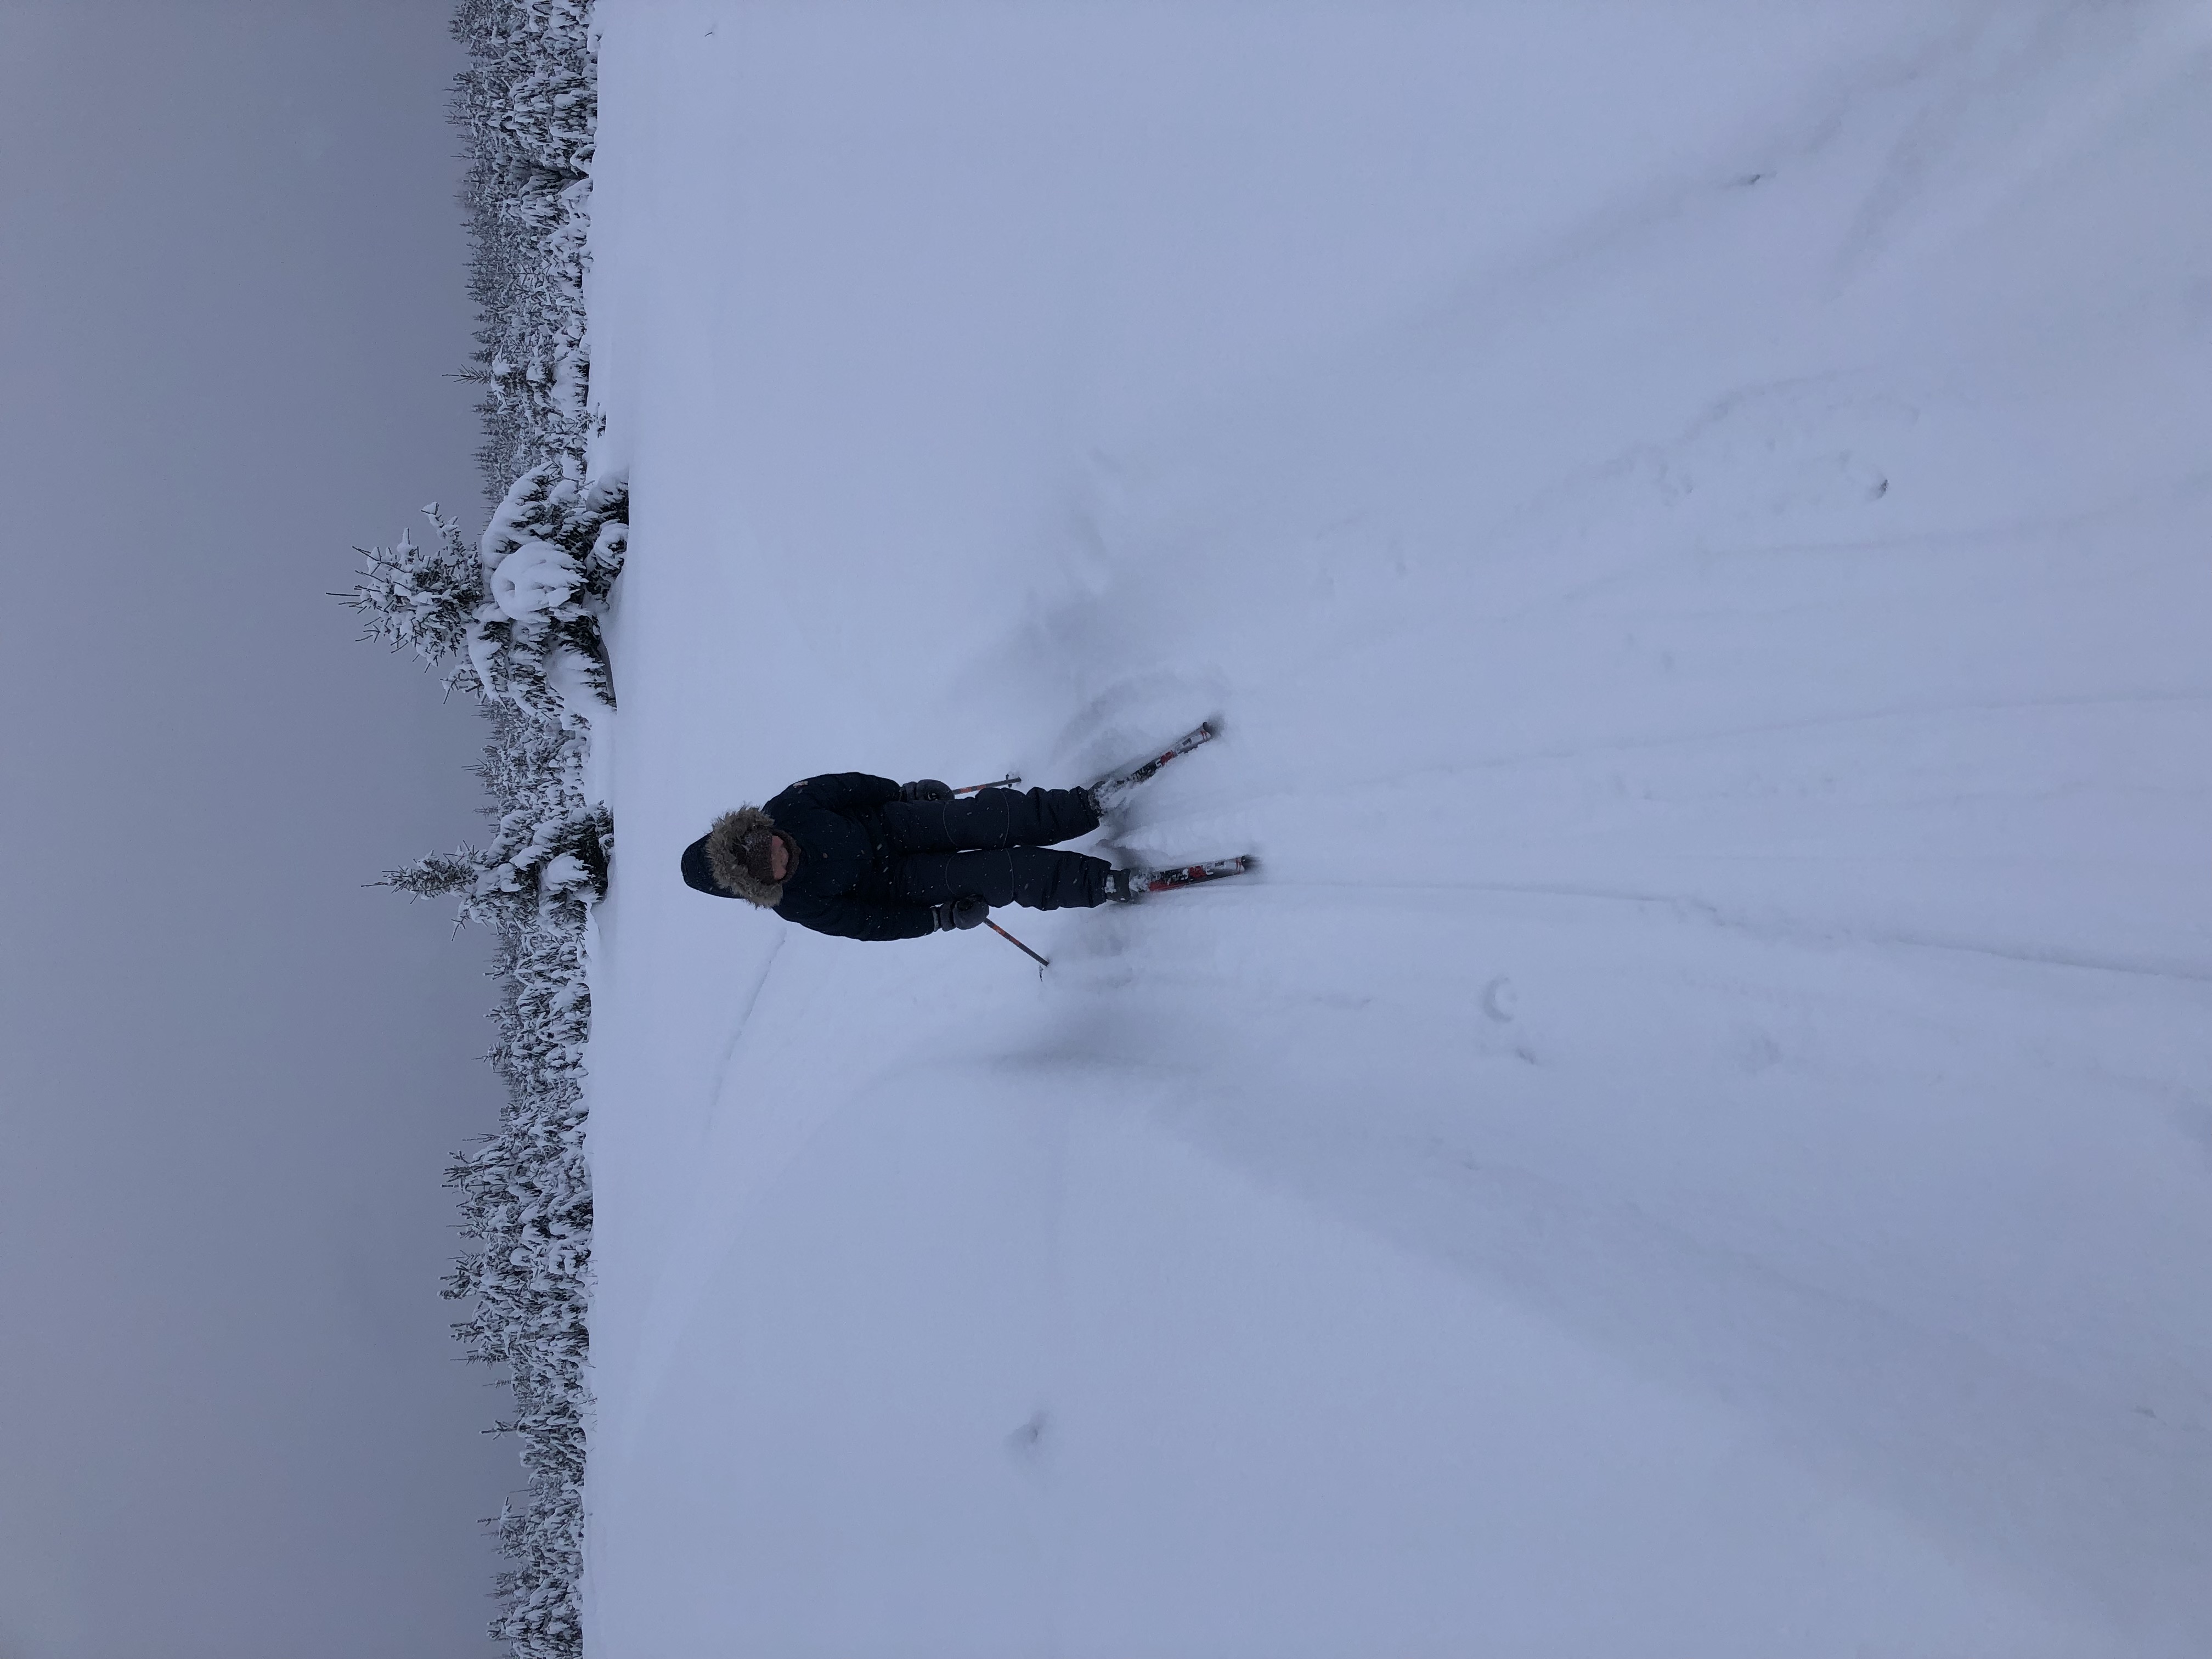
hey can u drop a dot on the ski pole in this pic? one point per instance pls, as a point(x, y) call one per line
point(971, 788)
point(1042, 962)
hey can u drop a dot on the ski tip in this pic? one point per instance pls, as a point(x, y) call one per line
point(1213, 726)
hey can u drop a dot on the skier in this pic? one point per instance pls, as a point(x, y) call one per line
point(860, 857)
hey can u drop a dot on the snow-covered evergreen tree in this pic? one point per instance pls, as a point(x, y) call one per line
point(520, 611)
point(422, 599)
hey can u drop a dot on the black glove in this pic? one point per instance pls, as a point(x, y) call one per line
point(925, 789)
point(961, 912)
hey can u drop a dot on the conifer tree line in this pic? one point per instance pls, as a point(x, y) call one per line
point(515, 618)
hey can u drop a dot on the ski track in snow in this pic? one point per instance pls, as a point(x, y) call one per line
point(1695, 1136)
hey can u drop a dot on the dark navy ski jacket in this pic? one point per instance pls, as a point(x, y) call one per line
point(843, 884)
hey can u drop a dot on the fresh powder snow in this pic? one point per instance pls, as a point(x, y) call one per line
point(1693, 523)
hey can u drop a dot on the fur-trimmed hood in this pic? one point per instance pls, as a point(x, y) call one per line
point(726, 856)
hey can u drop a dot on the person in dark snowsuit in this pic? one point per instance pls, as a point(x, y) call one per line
point(860, 857)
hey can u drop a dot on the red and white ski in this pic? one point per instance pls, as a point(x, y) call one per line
point(1166, 880)
point(1111, 790)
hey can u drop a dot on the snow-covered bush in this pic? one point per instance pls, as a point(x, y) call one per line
point(515, 618)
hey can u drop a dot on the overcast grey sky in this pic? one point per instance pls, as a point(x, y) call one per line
point(231, 290)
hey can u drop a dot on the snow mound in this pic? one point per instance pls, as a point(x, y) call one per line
point(535, 578)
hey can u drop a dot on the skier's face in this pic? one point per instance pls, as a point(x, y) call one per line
point(779, 858)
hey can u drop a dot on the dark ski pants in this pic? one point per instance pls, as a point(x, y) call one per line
point(996, 846)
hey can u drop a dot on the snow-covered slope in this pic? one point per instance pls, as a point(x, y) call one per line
point(1693, 522)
